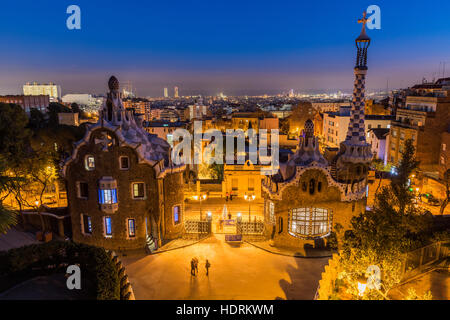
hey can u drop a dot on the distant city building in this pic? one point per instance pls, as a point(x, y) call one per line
point(28, 102)
point(166, 93)
point(175, 95)
point(335, 125)
point(34, 89)
point(330, 106)
point(423, 119)
point(376, 137)
point(197, 110)
point(163, 129)
point(140, 106)
point(85, 101)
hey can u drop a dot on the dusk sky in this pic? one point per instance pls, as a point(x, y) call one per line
point(207, 47)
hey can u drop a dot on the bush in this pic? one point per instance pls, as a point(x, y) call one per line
point(96, 263)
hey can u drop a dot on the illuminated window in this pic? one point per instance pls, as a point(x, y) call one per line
point(89, 163)
point(272, 212)
point(86, 224)
point(138, 190)
point(309, 222)
point(131, 228)
point(176, 214)
point(107, 196)
point(108, 226)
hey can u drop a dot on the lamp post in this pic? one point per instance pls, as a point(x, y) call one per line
point(249, 198)
point(200, 197)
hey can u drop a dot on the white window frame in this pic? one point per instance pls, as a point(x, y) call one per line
point(128, 228)
point(120, 163)
point(179, 214)
point(86, 162)
point(104, 227)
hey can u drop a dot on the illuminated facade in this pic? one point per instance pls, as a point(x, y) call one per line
point(123, 190)
point(35, 89)
point(310, 195)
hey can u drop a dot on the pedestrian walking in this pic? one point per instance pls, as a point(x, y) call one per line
point(207, 266)
point(193, 267)
point(227, 196)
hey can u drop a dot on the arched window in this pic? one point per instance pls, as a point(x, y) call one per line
point(280, 225)
point(319, 186)
point(312, 186)
point(304, 186)
point(310, 222)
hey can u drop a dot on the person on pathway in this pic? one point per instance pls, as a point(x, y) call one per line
point(193, 267)
point(196, 265)
point(207, 266)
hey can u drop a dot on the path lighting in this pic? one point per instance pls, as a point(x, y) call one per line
point(249, 198)
point(362, 285)
point(201, 198)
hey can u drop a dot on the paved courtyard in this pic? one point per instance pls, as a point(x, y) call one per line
point(243, 272)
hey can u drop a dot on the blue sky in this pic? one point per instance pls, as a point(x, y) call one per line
point(211, 46)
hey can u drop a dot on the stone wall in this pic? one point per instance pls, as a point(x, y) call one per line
point(107, 164)
point(297, 196)
point(173, 196)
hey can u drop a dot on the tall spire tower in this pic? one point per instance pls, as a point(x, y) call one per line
point(355, 147)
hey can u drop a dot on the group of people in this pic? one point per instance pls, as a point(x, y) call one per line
point(230, 196)
point(194, 266)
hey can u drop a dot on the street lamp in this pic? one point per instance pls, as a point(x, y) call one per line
point(362, 285)
point(200, 197)
point(249, 198)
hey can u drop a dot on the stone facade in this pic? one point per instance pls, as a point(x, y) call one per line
point(310, 196)
point(121, 184)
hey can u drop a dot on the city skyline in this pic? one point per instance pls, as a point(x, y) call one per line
point(247, 49)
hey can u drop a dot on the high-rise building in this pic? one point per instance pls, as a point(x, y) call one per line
point(35, 89)
point(166, 93)
point(176, 92)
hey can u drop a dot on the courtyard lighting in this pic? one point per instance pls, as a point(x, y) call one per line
point(249, 198)
point(362, 285)
point(201, 198)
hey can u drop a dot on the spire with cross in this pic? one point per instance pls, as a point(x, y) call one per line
point(356, 138)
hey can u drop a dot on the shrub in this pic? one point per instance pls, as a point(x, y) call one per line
point(55, 256)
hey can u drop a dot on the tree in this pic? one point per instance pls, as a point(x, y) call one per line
point(216, 171)
point(14, 135)
point(395, 221)
point(14, 145)
point(382, 235)
point(39, 174)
